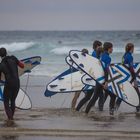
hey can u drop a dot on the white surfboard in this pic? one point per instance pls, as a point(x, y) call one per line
point(22, 101)
point(117, 84)
point(85, 78)
point(68, 83)
point(71, 63)
point(88, 80)
point(122, 69)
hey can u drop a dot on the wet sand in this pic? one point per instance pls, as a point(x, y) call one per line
point(51, 118)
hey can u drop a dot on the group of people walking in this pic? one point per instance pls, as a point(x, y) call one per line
point(9, 67)
point(102, 52)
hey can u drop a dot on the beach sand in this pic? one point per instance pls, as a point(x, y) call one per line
point(51, 119)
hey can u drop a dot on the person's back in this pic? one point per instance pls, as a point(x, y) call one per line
point(9, 66)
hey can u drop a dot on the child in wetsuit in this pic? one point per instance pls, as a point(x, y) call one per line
point(77, 94)
point(96, 53)
point(108, 48)
point(127, 61)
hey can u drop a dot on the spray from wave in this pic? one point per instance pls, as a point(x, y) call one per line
point(17, 46)
point(65, 50)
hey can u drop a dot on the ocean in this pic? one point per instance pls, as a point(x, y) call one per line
point(54, 46)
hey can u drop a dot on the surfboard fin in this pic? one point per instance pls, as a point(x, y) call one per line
point(70, 60)
point(61, 78)
point(76, 55)
point(62, 89)
point(28, 61)
point(84, 54)
point(53, 86)
point(36, 63)
point(88, 79)
point(81, 65)
point(27, 71)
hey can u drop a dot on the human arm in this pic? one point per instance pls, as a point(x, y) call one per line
point(107, 61)
point(19, 63)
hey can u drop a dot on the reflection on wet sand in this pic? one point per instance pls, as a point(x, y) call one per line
point(9, 137)
point(51, 120)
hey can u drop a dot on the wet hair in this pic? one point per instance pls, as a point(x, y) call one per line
point(129, 47)
point(85, 51)
point(3, 52)
point(107, 46)
point(99, 51)
point(96, 43)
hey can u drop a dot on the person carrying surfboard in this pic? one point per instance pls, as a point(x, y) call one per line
point(127, 61)
point(77, 94)
point(108, 48)
point(9, 67)
point(97, 50)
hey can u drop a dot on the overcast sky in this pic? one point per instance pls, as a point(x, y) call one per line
point(69, 14)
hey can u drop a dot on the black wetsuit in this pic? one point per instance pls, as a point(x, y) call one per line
point(87, 97)
point(9, 66)
point(90, 92)
point(99, 88)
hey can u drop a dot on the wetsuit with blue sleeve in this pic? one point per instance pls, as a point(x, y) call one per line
point(88, 93)
point(127, 60)
point(107, 61)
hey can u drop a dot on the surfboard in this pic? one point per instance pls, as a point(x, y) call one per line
point(22, 101)
point(122, 69)
point(117, 83)
point(68, 83)
point(29, 63)
point(49, 93)
point(71, 63)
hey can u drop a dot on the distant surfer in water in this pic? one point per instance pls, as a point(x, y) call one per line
point(97, 50)
point(9, 67)
point(127, 61)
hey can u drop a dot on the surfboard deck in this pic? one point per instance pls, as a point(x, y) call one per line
point(120, 69)
point(117, 83)
point(49, 93)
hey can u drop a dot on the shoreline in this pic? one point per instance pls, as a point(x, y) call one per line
point(52, 118)
point(68, 133)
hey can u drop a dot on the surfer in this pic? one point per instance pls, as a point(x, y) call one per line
point(108, 48)
point(9, 67)
point(97, 50)
point(127, 61)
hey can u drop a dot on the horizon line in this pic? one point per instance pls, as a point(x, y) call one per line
point(16, 30)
